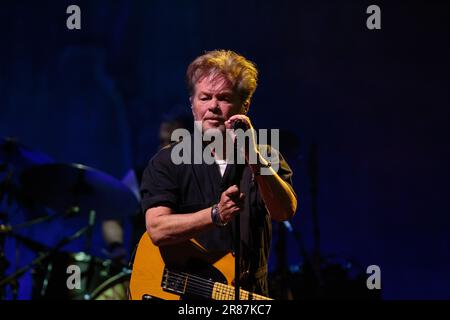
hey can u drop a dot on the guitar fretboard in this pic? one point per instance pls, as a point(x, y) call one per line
point(225, 292)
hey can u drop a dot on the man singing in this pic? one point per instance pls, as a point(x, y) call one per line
point(199, 200)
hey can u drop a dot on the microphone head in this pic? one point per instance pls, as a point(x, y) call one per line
point(239, 124)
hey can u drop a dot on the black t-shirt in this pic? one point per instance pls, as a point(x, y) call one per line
point(188, 188)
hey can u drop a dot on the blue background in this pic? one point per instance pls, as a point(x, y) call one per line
point(375, 103)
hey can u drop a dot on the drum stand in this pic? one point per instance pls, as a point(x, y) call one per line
point(4, 264)
point(12, 279)
point(6, 191)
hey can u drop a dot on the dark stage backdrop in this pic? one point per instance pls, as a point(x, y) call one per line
point(371, 106)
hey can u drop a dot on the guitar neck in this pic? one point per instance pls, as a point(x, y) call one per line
point(225, 292)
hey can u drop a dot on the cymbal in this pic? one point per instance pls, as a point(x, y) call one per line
point(61, 187)
point(13, 153)
point(14, 158)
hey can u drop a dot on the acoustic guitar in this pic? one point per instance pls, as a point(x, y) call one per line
point(183, 271)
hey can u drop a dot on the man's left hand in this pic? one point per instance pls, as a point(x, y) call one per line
point(252, 147)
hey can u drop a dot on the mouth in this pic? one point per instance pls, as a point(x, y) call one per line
point(214, 120)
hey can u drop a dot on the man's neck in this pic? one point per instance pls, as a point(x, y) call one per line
point(221, 154)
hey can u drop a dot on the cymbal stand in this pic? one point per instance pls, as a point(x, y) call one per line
point(12, 279)
point(89, 230)
point(4, 264)
point(5, 195)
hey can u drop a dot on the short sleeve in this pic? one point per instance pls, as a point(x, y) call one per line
point(159, 185)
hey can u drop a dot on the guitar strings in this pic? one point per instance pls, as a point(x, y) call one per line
point(200, 282)
point(199, 289)
point(223, 288)
point(204, 284)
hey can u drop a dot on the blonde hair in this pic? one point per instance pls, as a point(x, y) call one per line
point(240, 72)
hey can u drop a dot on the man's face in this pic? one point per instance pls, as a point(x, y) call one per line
point(214, 102)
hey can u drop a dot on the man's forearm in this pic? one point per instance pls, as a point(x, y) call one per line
point(165, 227)
point(278, 197)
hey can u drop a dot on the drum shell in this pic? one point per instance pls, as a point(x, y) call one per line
point(51, 278)
point(115, 288)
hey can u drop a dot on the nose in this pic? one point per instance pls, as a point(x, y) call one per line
point(214, 105)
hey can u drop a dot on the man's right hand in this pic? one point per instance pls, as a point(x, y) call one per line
point(231, 202)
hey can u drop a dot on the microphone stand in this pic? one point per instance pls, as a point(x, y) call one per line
point(237, 235)
point(237, 256)
point(237, 219)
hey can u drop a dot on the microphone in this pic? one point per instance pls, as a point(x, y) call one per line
point(239, 124)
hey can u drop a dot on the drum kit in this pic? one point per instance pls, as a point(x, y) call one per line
point(48, 190)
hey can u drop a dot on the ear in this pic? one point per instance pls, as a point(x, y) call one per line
point(192, 108)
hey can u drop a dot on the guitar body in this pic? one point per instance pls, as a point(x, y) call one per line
point(189, 259)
